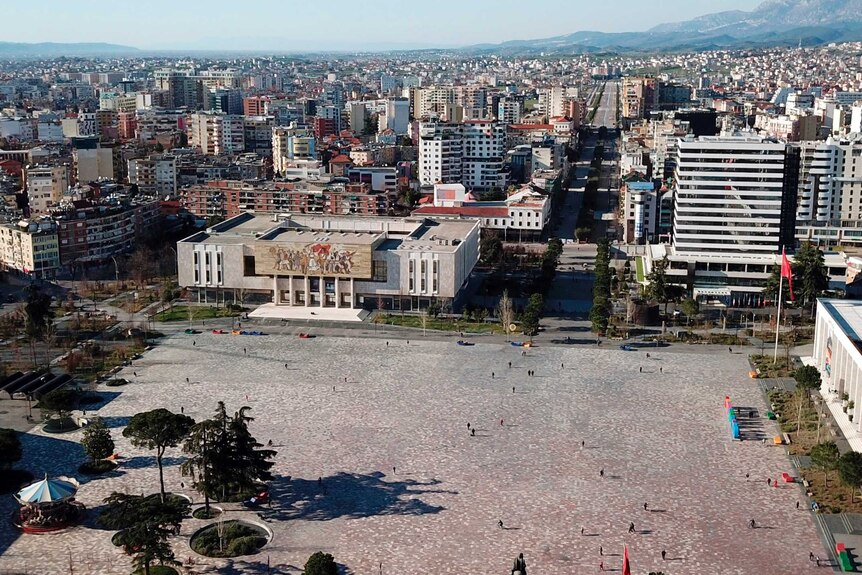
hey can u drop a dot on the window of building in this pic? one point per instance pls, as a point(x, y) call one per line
point(423, 273)
point(435, 276)
point(410, 275)
point(379, 272)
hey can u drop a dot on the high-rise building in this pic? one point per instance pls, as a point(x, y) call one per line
point(154, 175)
point(45, 187)
point(396, 116)
point(734, 194)
point(217, 134)
point(831, 181)
point(509, 110)
point(471, 154)
point(639, 97)
point(258, 134)
point(290, 143)
point(358, 113)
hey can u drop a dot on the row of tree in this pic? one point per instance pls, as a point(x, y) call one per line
point(601, 311)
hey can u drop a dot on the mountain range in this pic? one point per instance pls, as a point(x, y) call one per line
point(772, 23)
point(53, 49)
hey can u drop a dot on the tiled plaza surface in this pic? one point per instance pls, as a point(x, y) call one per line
point(661, 438)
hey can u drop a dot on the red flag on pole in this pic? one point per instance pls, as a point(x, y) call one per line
point(787, 272)
point(627, 570)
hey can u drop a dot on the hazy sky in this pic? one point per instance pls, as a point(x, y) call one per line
point(334, 24)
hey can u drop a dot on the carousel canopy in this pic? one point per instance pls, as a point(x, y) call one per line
point(47, 491)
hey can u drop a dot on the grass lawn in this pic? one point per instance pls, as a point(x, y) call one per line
point(438, 324)
point(639, 265)
point(181, 313)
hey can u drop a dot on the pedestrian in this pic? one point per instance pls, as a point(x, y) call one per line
point(387, 344)
point(647, 355)
point(730, 350)
point(500, 523)
point(285, 366)
point(492, 375)
point(320, 482)
point(468, 426)
point(510, 365)
point(811, 556)
point(187, 380)
point(645, 506)
point(501, 423)
point(183, 410)
point(601, 565)
point(393, 470)
point(663, 554)
point(582, 530)
point(768, 481)
point(797, 505)
point(817, 561)
point(752, 524)
point(246, 397)
point(473, 432)
point(660, 370)
point(746, 476)
point(245, 351)
point(333, 389)
point(135, 373)
point(194, 343)
point(408, 342)
point(182, 485)
point(601, 551)
point(640, 370)
point(562, 366)
point(583, 443)
point(631, 527)
point(513, 389)
point(601, 472)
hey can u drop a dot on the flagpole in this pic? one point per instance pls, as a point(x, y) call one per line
point(778, 318)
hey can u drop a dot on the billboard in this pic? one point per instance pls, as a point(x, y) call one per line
point(313, 259)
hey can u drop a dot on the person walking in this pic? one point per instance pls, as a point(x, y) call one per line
point(811, 556)
point(500, 523)
point(631, 527)
point(601, 565)
point(510, 365)
point(768, 481)
point(582, 530)
point(501, 423)
point(601, 551)
point(468, 426)
point(660, 370)
point(513, 389)
point(640, 369)
point(797, 505)
point(492, 375)
point(473, 432)
point(583, 443)
point(601, 472)
point(663, 554)
point(645, 506)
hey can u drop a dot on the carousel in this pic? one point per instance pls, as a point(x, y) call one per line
point(48, 505)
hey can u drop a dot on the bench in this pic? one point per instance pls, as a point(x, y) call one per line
point(786, 438)
point(806, 483)
point(777, 440)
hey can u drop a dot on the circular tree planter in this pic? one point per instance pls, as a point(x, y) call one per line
point(239, 538)
point(64, 425)
point(201, 512)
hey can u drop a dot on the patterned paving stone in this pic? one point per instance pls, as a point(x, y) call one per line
point(661, 438)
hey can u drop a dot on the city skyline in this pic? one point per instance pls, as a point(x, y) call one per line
point(233, 27)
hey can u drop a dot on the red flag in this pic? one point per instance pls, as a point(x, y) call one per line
point(787, 272)
point(627, 570)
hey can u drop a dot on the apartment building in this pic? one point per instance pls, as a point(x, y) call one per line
point(92, 233)
point(45, 187)
point(291, 143)
point(30, 247)
point(471, 153)
point(216, 134)
point(155, 175)
point(639, 97)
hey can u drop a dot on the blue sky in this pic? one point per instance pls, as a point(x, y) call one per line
point(334, 24)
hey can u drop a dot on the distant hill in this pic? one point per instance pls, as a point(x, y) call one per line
point(23, 50)
point(773, 23)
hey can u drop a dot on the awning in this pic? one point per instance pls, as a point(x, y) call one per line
point(713, 291)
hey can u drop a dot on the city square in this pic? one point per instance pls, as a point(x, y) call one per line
point(377, 466)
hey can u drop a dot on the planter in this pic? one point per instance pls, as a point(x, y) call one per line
point(240, 538)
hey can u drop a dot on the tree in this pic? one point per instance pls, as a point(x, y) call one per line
point(96, 440)
point(690, 307)
point(203, 446)
point(807, 379)
point(37, 315)
point(144, 525)
point(772, 284)
point(824, 456)
point(532, 314)
point(321, 563)
point(10, 448)
point(490, 248)
point(506, 312)
point(657, 286)
point(60, 402)
point(158, 429)
point(850, 471)
point(809, 274)
point(224, 456)
point(249, 462)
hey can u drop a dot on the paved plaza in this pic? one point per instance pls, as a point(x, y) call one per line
point(408, 490)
